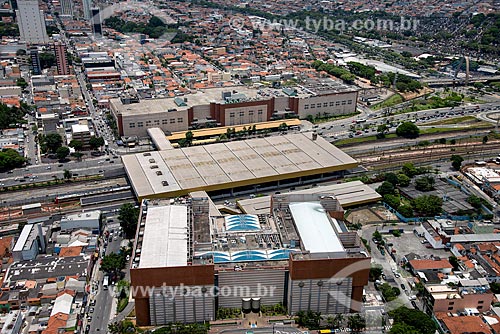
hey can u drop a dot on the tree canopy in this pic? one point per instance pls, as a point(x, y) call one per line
point(10, 158)
point(456, 161)
point(112, 263)
point(50, 142)
point(428, 205)
point(62, 153)
point(408, 130)
point(128, 219)
point(9, 116)
point(96, 142)
point(416, 319)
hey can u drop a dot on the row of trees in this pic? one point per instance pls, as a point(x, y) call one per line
point(312, 321)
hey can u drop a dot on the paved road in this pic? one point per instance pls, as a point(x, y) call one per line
point(104, 298)
point(341, 128)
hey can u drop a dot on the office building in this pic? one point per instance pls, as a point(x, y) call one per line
point(87, 12)
point(96, 22)
point(35, 65)
point(67, 8)
point(61, 58)
point(31, 22)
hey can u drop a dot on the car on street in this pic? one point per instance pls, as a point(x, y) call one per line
point(403, 286)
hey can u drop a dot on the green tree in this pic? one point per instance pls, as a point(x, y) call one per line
point(10, 116)
point(67, 174)
point(392, 200)
point(21, 83)
point(96, 142)
point(76, 144)
point(402, 328)
point(475, 201)
point(47, 59)
point(425, 183)
point(454, 262)
point(408, 130)
point(385, 188)
point(413, 318)
point(375, 273)
point(309, 319)
point(189, 138)
point(409, 169)
point(428, 205)
point(406, 210)
point(456, 161)
point(62, 153)
point(403, 180)
point(392, 178)
point(377, 237)
point(356, 323)
point(128, 219)
point(382, 130)
point(52, 141)
point(112, 263)
point(495, 287)
point(10, 158)
point(388, 292)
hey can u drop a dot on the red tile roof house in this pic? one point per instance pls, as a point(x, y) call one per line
point(442, 266)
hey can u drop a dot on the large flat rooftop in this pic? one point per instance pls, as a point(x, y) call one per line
point(221, 166)
point(165, 239)
point(348, 194)
point(225, 95)
point(315, 229)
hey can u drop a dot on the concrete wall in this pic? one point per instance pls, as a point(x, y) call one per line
point(268, 284)
point(333, 104)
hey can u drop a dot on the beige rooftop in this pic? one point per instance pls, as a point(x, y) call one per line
point(220, 166)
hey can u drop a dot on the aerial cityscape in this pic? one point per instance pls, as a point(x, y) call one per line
point(260, 167)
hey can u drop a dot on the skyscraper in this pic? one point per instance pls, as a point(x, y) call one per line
point(67, 7)
point(61, 58)
point(96, 21)
point(87, 6)
point(31, 22)
point(36, 67)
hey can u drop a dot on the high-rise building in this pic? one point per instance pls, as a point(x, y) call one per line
point(67, 7)
point(31, 22)
point(35, 66)
point(96, 21)
point(61, 58)
point(87, 12)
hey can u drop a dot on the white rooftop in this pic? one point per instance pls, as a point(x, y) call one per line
point(315, 229)
point(62, 304)
point(96, 214)
point(78, 128)
point(165, 237)
point(23, 237)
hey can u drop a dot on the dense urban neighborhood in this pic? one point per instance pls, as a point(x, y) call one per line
point(232, 167)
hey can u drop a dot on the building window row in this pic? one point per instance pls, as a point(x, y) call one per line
point(156, 122)
point(250, 113)
point(327, 104)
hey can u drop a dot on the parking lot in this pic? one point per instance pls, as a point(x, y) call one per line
point(408, 242)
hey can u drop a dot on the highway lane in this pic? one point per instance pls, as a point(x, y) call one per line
point(342, 128)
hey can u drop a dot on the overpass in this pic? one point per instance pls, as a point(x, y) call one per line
point(459, 81)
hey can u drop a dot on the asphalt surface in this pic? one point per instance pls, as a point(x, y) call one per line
point(104, 298)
